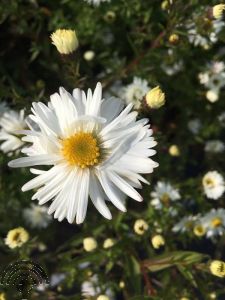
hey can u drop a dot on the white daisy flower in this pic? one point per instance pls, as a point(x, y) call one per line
point(11, 123)
point(163, 194)
point(213, 184)
point(203, 78)
point(37, 216)
point(91, 288)
point(134, 92)
point(185, 224)
point(214, 146)
point(214, 222)
point(96, 2)
point(194, 126)
point(95, 150)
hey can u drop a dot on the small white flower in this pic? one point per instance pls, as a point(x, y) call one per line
point(37, 216)
point(94, 148)
point(11, 123)
point(214, 146)
point(221, 119)
point(213, 184)
point(91, 288)
point(96, 2)
point(194, 126)
point(185, 224)
point(212, 95)
point(203, 78)
point(214, 222)
point(134, 92)
point(163, 194)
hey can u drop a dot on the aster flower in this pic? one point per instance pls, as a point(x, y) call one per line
point(94, 149)
point(11, 123)
point(194, 126)
point(185, 224)
point(214, 146)
point(37, 216)
point(214, 222)
point(163, 194)
point(91, 288)
point(221, 119)
point(213, 184)
point(96, 2)
point(134, 92)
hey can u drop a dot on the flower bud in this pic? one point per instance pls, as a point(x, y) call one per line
point(103, 297)
point(108, 243)
point(65, 41)
point(89, 55)
point(174, 38)
point(217, 268)
point(174, 150)
point(89, 244)
point(199, 230)
point(140, 226)
point(16, 237)
point(217, 10)
point(158, 241)
point(212, 96)
point(155, 98)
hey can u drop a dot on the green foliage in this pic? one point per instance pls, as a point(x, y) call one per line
point(133, 43)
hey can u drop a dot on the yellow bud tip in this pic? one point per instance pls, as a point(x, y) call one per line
point(89, 244)
point(217, 10)
point(174, 38)
point(158, 241)
point(217, 268)
point(155, 98)
point(174, 150)
point(140, 226)
point(65, 40)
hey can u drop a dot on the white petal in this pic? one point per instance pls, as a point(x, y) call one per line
point(83, 196)
point(97, 197)
point(44, 159)
point(110, 190)
point(124, 186)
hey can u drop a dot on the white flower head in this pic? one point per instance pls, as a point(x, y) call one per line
point(214, 222)
point(185, 224)
point(163, 194)
point(93, 148)
point(221, 119)
point(214, 146)
point(194, 126)
point(134, 92)
point(213, 184)
point(37, 216)
point(11, 123)
point(96, 2)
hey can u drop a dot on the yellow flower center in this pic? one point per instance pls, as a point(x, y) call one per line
point(81, 150)
point(216, 222)
point(209, 182)
point(165, 199)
